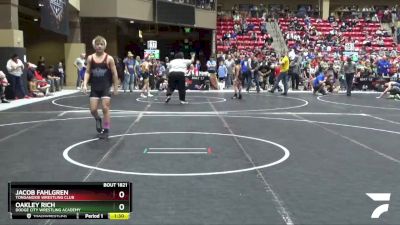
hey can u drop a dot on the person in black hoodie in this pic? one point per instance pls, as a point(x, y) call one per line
point(265, 71)
point(254, 74)
point(41, 65)
point(52, 77)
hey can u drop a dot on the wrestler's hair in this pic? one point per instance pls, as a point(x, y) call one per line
point(99, 39)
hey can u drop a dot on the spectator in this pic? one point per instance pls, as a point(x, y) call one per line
point(383, 66)
point(263, 27)
point(319, 84)
point(250, 26)
point(198, 65)
point(331, 18)
point(61, 74)
point(244, 27)
point(190, 72)
point(30, 76)
point(349, 71)
point(254, 74)
point(254, 11)
point(119, 64)
point(284, 62)
point(253, 36)
point(129, 72)
point(222, 73)
point(375, 18)
point(52, 77)
point(264, 71)
point(161, 76)
point(294, 71)
point(212, 69)
point(41, 65)
point(138, 71)
point(155, 64)
point(245, 70)
point(145, 72)
point(15, 68)
point(230, 64)
point(79, 64)
point(292, 54)
point(38, 86)
point(368, 18)
point(3, 84)
point(41, 83)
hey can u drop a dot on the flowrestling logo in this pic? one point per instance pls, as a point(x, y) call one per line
point(379, 197)
point(57, 7)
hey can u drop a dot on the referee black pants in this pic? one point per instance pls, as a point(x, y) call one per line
point(349, 83)
point(176, 80)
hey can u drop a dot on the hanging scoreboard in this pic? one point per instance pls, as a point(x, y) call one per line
point(71, 200)
point(173, 13)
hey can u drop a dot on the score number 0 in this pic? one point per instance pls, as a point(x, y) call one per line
point(121, 195)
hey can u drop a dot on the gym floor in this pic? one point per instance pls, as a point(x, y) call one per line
point(265, 159)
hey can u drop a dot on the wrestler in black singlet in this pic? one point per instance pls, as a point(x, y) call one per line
point(100, 79)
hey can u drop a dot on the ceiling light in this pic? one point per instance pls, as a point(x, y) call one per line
point(36, 19)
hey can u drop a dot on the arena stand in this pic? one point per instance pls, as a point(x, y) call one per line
point(366, 36)
point(230, 40)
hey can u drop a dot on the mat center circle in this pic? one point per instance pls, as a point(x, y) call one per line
point(200, 153)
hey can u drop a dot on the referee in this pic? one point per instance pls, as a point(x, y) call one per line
point(176, 78)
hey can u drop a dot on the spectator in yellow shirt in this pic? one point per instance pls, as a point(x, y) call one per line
point(284, 62)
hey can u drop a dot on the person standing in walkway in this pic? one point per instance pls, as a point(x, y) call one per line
point(15, 68)
point(79, 64)
point(284, 62)
point(222, 73)
point(349, 69)
point(254, 64)
point(61, 73)
point(230, 64)
point(176, 78)
point(145, 73)
point(129, 78)
point(246, 70)
point(294, 70)
point(138, 73)
point(212, 69)
point(265, 72)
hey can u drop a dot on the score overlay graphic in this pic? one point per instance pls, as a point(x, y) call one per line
point(70, 200)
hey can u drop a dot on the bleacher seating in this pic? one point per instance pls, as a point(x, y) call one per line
point(358, 33)
point(242, 41)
